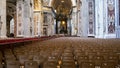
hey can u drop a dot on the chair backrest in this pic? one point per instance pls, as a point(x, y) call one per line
point(31, 64)
point(68, 65)
point(23, 58)
point(13, 64)
point(1, 66)
point(108, 65)
point(50, 64)
point(87, 65)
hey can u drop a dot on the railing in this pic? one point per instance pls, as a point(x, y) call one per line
point(20, 40)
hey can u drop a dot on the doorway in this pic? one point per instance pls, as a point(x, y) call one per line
point(63, 27)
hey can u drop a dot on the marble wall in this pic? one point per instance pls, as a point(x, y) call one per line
point(99, 18)
point(25, 18)
point(106, 18)
point(20, 11)
point(3, 19)
point(48, 24)
point(84, 18)
point(117, 18)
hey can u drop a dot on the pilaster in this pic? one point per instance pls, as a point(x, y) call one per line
point(84, 18)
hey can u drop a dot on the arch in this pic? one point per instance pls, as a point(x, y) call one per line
point(10, 15)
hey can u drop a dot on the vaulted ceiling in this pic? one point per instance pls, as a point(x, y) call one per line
point(62, 7)
point(12, 1)
point(11, 7)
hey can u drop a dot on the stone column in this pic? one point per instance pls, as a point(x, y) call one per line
point(74, 22)
point(84, 18)
point(3, 19)
point(15, 25)
point(111, 18)
point(117, 2)
point(79, 24)
point(99, 18)
point(31, 6)
point(37, 23)
point(69, 26)
point(38, 18)
point(50, 24)
point(26, 19)
point(56, 27)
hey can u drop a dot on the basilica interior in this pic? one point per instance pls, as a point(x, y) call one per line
point(36, 18)
point(60, 34)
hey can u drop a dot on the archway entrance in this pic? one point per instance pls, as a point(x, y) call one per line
point(10, 18)
point(63, 27)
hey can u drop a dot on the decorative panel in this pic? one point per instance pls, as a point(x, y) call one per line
point(111, 16)
point(19, 19)
point(91, 17)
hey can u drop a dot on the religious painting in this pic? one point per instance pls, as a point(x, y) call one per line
point(111, 17)
point(80, 26)
point(91, 17)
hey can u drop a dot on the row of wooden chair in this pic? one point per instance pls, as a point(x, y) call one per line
point(64, 53)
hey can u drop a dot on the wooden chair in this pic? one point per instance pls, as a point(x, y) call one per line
point(31, 64)
point(87, 65)
point(13, 64)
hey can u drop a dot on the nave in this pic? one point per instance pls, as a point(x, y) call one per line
point(64, 52)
